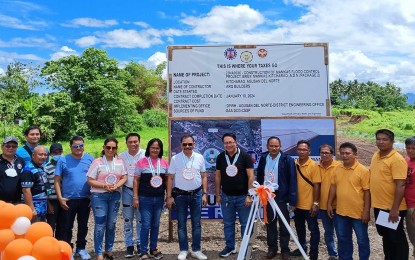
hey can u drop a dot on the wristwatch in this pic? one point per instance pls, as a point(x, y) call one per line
point(316, 203)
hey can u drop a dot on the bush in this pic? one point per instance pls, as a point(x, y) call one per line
point(155, 118)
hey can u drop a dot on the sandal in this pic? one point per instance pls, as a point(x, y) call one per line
point(109, 256)
point(144, 256)
point(156, 254)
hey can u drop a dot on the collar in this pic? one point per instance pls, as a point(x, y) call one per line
point(386, 156)
point(353, 166)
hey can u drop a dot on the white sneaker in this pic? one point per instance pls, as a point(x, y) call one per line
point(199, 255)
point(182, 255)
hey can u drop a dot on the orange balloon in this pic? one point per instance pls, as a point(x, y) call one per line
point(22, 210)
point(66, 250)
point(7, 215)
point(17, 248)
point(5, 238)
point(38, 230)
point(47, 248)
point(2, 203)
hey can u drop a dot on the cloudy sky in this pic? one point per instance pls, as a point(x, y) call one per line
point(368, 40)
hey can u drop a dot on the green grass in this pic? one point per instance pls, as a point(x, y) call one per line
point(94, 146)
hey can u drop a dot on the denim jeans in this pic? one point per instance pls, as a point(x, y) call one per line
point(230, 206)
point(79, 208)
point(346, 225)
point(128, 213)
point(301, 217)
point(330, 225)
point(183, 204)
point(150, 210)
point(105, 207)
point(272, 231)
point(395, 243)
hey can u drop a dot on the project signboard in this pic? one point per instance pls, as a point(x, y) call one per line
point(252, 135)
point(248, 80)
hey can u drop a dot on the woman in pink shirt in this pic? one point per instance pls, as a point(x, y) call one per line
point(106, 175)
point(410, 189)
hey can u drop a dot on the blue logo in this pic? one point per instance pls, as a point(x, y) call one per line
point(230, 53)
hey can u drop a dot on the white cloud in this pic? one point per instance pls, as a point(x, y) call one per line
point(121, 38)
point(27, 42)
point(15, 23)
point(8, 57)
point(90, 22)
point(157, 58)
point(2, 72)
point(142, 24)
point(63, 52)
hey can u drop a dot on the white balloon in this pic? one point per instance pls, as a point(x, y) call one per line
point(26, 257)
point(20, 225)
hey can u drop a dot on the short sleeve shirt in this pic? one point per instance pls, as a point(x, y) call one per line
point(130, 163)
point(305, 190)
point(106, 173)
point(326, 174)
point(35, 178)
point(350, 186)
point(383, 173)
point(410, 184)
point(10, 186)
point(180, 162)
point(144, 171)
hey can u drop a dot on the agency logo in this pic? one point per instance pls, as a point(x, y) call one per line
point(246, 56)
point(230, 53)
point(262, 53)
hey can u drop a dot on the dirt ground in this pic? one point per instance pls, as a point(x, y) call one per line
point(212, 231)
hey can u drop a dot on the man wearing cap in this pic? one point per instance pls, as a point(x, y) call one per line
point(188, 173)
point(56, 151)
point(35, 184)
point(73, 193)
point(130, 158)
point(11, 167)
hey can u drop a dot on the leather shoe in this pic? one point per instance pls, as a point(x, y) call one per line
point(271, 254)
point(296, 252)
point(285, 256)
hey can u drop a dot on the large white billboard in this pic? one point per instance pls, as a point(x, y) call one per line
point(248, 80)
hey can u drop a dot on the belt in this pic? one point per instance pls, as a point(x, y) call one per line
point(128, 187)
point(177, 191)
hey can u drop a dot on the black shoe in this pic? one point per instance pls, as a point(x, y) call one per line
point(296, 252)
point(138, 249)
point(313, 257)
point(130, 252)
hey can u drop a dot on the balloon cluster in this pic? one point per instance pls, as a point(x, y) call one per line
point(21, 240)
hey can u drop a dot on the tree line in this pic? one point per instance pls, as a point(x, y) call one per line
point(90, 95)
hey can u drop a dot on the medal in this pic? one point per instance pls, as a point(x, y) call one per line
point(269, 176)
point(189, 173)
point(232, 170)
point(156, 181)
point(270, 166)
point(111, 179)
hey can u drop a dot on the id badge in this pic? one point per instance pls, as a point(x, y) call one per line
point(189, 174)
point(156, 181)
point(231, 170)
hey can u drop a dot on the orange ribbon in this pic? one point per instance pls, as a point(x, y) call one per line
point(264, 194)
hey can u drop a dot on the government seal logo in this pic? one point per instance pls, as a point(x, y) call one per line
point(262, 53)
point(230, 53)
point(246, 56)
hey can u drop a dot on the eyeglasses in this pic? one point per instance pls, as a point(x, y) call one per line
point(187, 144)
point(325, 153)
point(10, 146)
point(77, 146)
point(110, 148)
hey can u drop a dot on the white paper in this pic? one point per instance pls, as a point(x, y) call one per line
point(383, 220)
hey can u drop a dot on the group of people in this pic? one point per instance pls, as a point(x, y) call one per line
point(340, 192)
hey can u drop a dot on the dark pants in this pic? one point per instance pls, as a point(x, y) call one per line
point(272, 231)
point(54, 219)
point(80, 209)
point(395, 244)
point(301, 217)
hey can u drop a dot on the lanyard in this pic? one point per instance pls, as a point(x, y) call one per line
point(269, 161)
point(153, 171)
point(128, 157)
point(186, 161)
point(234, 160)
point(106, 164)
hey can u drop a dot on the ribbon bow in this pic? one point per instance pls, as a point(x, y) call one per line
point(265, 194)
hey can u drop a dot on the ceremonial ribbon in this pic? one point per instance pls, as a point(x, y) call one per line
point(265, 194)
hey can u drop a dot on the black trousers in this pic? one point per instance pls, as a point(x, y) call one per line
point(272, 231)
point(395, 244)
point(80, 209)
point(54, 219)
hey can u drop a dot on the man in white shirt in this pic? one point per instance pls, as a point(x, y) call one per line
point(187, 174)
point(130, 157)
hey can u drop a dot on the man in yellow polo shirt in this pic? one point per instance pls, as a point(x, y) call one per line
point(350, 185)
point(308, 183)
point(388, 172)
point(325, 168)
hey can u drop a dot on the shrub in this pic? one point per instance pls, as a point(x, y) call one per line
point(155, 118)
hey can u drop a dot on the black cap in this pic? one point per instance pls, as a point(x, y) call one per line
point(54, 147)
